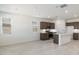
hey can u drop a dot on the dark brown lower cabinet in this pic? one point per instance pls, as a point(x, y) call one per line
point(75, 36)
point(56, 38)
point(44, 36)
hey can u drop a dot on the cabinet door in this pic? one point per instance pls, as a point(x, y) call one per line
point(52, 25)
point(56, 39)
point(75, 36)
point(67, 24)
point(44, 36)
point(44, 25)
point(76, 25)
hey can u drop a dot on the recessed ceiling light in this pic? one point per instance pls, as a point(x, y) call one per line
point(66, 11)
point(48, 16)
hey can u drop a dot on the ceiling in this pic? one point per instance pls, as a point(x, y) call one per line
point(43, 10)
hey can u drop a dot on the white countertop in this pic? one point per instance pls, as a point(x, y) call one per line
point(54, 30)
point(76, 31)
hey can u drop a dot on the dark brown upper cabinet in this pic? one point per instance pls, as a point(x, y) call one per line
point(44, 25)
point(69, 24)
point(52, 25)
point(75, 24)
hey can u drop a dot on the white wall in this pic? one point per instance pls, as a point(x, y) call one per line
point(73, 20)
point(21, 29)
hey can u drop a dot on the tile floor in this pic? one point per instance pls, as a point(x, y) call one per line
point(41, 48)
